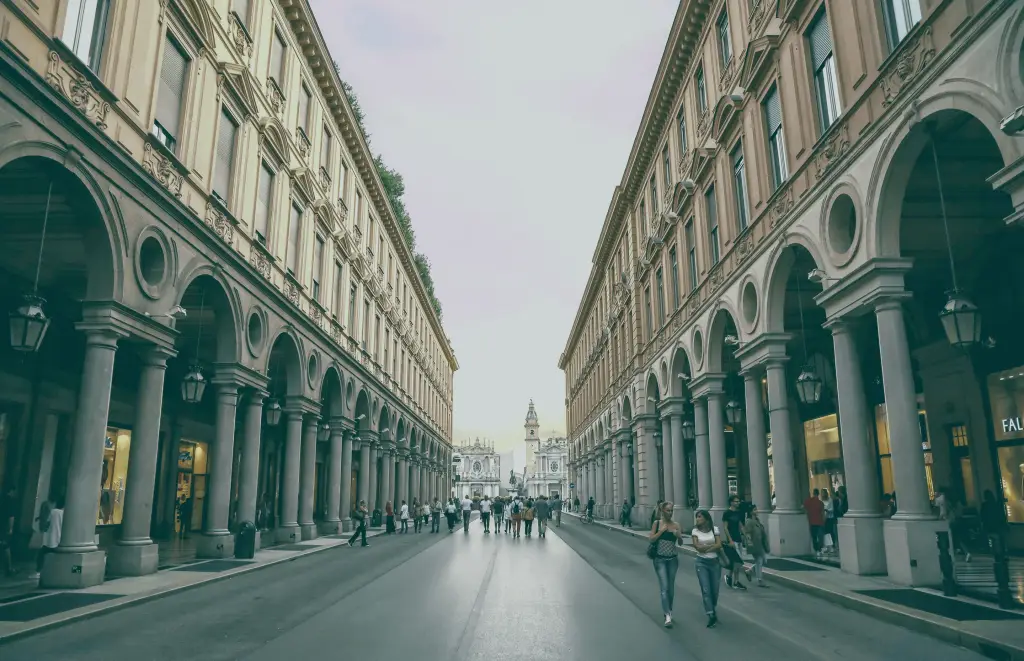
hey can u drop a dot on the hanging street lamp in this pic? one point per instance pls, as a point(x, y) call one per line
point(193, 385)
point(29, 322)
point(808, 386)
point(689, 433)
point(324, 432)
point(273, 413)
point(734, 413)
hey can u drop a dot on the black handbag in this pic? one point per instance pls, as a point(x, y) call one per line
point(652, 550)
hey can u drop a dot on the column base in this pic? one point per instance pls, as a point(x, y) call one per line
point(346, 525)
point(73, 570)
point(217, 545)
point(256, 545)
point(862, 545)
point(133, 559)
point(308, 531)
point(911, 554)
point(788, 534)
point(330, 527)
point(288, 534)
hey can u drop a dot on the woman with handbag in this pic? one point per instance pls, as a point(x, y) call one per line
point(665, 536)
point(707, 541)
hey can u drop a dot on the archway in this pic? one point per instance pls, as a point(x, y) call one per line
point(722, 363)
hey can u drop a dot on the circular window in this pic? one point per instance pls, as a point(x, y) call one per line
point(748, 304)
point(154, 262)
point(842, 225)
point(312, 368)
point(254, 332)
point(151, 261)
point(698, 347)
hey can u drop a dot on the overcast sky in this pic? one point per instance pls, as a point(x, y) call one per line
point(511, 123)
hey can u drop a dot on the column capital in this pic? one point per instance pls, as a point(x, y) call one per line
point(257, 396)
point(239, 375)
point(126, 322)
point(157, 356)
point(891, 301)
point(858, 291)
point(762, 348)
point(301, 405)
point(707, 384)
point(100, 335)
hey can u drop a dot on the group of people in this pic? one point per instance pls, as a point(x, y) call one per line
point(511, 513)
point(418, 513)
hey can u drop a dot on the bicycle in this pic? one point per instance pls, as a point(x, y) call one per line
point(587, 517)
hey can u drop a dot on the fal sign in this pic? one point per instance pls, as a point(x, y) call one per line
point(1012, 425)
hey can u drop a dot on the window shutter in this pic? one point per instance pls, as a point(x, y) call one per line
point(773, 110)
point(172, 87)
point(820, 38)
point(225, 155)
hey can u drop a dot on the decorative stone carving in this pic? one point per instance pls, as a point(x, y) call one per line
point(336, 332)
point(260, 261)
point(78, 89)
point(325, 178)
point(302, 142)
point(240, 38)
point(728, 76)
point(316, 314)
point(745, 245)
point(275, 98)
point(704, 124)
point(717, 276)
point(342, 209)
point(782, 206)
point(911, 59)
point(757, 16)
point(835, 145)
point(163, 169)
point(291, 290)
point(220, 222)
point(693, 305)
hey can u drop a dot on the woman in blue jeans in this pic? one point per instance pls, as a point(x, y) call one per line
point(707, 542)
point(666, 536)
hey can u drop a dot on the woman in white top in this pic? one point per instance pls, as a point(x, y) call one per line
point(404, 516)
point(707, 542)
point(51, 535)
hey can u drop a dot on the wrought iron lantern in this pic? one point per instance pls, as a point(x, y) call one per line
point(273, 412)
point(193, 385)
point(657, 439)
point(28, 325)
point(323, 432)
point(961, 319)
point(808, 386)
point(689, 432)
point(734, 413)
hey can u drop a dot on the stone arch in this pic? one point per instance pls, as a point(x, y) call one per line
point(721, 318)
point(680, 365)
point(217, 294)
point(384, 423)
point(414, 440)
point(652, 390)
point(105, 240)
point(1010, 58)
point(362, 411)
point(777, 275)
point(899, 153)
point(285, 365)
point(627, 410)
point(400, 438)
point(331, 401)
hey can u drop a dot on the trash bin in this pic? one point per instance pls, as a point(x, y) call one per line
point(375, 521)
point(245, 545)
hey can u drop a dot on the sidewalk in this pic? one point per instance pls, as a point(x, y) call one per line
point(36, 610)
point(970, 623)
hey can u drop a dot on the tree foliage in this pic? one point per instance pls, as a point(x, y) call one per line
point(394, 187)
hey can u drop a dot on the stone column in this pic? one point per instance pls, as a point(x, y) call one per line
point(307, 526)
point(599, 475)
point(288, 529)
point(423, 480)
point(217, 541)
point(346, 480)
point(332, 525)
point(910, 534)
point(788, 532)
point(364, 468)
point(719, 465)
point(372, 503)
point(135, 553)
point(681, 511)
point(78, 562)
point(667, 456)
point(757, 442)
point(609, 470)
point(387, 473)
point(628, 473)
point(861, 543)
point(700, 425)
point(403, 477)
point(248, 487)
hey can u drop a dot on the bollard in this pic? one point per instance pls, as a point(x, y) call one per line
point(1001, 570)
point(946, 564)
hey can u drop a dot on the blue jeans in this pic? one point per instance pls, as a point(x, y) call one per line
point(666, 569)
point(709, 575)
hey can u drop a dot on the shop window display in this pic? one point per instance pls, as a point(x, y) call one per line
point(116, 446)
point(824, 454)
point(191, 493)
point(885, 451)
point(1006, 392)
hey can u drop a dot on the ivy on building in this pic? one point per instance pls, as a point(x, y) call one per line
point(394, 186)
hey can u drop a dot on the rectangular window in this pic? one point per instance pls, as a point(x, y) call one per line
point(343, 186)
point(85, 29)
point(387, 348)
point(702, 91)
point(643, 217)
point(691, 254)
point(654, 195)
point(225, 155)
point(666, 167)
point(171, 94)
point(394, 357)
point(357, 218)
point(352, 309)
point(724, 44)
point(776, 138)
point(339, 291)
point(325, 150)
point(318, 266)
point(823, 63)
point(277, 59)
point(261, 219)
point(739, 177)
point(900, 18)
point(713, 239)
point(674, 261)
point(649, 314)
point(376, 339)
point(366, 323)
point(291, 255)
point(660, 280)
point(304, 102)
point(681, 123)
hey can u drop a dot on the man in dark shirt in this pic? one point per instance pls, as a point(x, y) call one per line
point(733, 520)
point(8, 507)
point(815, 510)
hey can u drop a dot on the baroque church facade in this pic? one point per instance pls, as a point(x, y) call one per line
point(546, 471)
point(479, 471)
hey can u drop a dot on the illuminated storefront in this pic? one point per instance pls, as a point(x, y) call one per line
point(1006, 393)
point(824, 454)
point(116, 446)
point(885, 453)
point(193, 460)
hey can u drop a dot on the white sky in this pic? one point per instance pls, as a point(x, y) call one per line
point(511, 123)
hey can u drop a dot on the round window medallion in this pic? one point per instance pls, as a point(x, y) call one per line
point(840, 224)
point(312, 369)
point(748, 304)
point(698, 346)
point(154, 263)
point(254, 334)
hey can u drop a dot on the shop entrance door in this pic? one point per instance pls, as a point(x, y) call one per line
point(191, 486)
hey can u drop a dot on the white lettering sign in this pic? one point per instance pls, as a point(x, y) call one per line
point(1011, 425)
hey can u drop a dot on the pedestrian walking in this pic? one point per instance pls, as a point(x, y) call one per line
point(624, 514)
point(542, 512)
point(415, 512)
point(451, 511)
point(590, 508)
point(732, 519)
point(665, 538)
point(389, 518)
point(185, 515)
point(360, 517)
point(757, 543)
point(707, 542)
point(517, 516)
point(528, 515)
point(403, 516)
point(485, 514)
point(576, 504)
point(556, 509)
point(498, 513)
point(467, 511)
point(435, 516)
point(50, 526)
point(815, 510)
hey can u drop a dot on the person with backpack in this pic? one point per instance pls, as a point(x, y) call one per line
point(450, 511)
point(517, 516)
point(51, 519)
point(528, 515)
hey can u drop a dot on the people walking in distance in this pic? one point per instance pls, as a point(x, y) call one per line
point(815, 510)
point(576, 504)
point(467, 511)
point(403, 516)
point(185, 516)
point(542, 512)
point(498, 513)
point(556, 510)
point(50, 522)
point(485, 514)
point(435, 516)
point(951, 512)
point(529, 513)
point(389, 518)
point(451, 511)
point(359, 515)
point(732, 519)
point(828, 536)
point(424, 514)
point(624, 514)
point(508, 514)
point(757, 543)
point(665, 537)
point(517, 516)
point(415, 513)
point(707, 542)
point(590, 508)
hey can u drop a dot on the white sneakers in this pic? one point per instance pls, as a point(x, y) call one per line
point(668, 621)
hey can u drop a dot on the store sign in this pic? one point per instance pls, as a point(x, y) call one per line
point(1012, 425)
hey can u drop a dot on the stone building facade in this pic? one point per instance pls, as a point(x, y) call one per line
point(768, 308)
point(232, 316)
point(479, 469)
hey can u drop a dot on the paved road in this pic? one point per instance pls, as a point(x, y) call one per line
point(463, 597)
